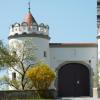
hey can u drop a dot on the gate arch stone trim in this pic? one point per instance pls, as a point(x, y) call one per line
point(88, 65)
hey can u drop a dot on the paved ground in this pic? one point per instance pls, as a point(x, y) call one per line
point(80, 98)
point(64, 99)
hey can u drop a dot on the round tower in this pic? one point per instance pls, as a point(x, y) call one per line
point(30, 30)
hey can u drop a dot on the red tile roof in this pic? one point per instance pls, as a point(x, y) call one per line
point(73, 44)
point(29, 19)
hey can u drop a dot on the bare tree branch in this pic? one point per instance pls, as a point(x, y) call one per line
point(17, 70)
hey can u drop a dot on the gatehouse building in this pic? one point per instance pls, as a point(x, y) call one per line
point(75, 63)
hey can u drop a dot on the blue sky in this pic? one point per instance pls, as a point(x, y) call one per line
point(69, 20)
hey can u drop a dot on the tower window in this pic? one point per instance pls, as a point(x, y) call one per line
point(13, 76)
point(45, 54)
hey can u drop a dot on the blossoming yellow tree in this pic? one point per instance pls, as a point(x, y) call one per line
point(41, 75)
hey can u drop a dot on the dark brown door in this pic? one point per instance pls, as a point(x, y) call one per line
point(73, 80)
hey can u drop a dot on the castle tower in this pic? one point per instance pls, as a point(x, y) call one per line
point(38, 34)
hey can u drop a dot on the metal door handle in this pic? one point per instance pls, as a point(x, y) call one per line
point(78, 82)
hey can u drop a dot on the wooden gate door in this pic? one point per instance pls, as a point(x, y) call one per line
point(73, 80)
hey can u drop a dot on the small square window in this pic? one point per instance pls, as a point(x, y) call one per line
point(45, 54)
point(13, 76)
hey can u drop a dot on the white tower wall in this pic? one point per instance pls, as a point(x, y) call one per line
point(40, 44)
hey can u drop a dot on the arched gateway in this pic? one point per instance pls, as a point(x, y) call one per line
point(73, 80)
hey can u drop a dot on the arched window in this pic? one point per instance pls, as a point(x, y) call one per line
point(24, 24)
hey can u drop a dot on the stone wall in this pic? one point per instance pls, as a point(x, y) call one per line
point(27, 94)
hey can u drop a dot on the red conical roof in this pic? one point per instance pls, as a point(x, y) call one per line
point(29, 19)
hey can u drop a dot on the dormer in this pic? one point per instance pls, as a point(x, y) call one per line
point(16, 27)
point(24, 24)
point(24, 27)
point(41, 27)
point(46, 29)
point(35, 26)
